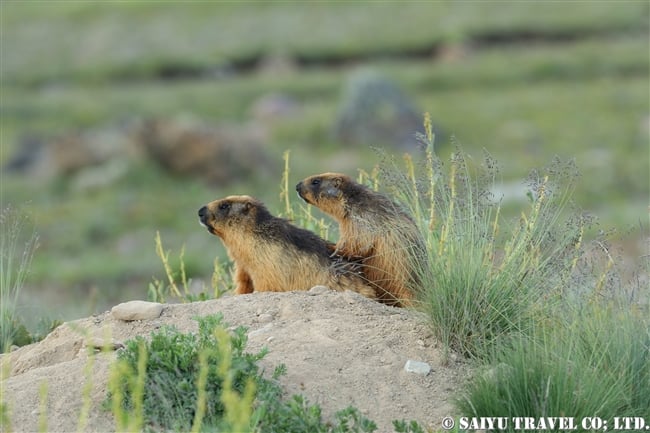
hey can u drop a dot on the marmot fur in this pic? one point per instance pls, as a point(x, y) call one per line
point(272, 255)
point(373, 229)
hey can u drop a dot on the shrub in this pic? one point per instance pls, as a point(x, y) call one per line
point(170, 390)
point(206, 382)
point(296, 415)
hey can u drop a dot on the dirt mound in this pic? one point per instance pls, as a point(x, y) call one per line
point(340, 349)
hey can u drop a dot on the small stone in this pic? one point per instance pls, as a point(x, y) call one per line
point(421, 344)
point(264, 318)
point(137, 310)
point(417, 367)
point(318, 290)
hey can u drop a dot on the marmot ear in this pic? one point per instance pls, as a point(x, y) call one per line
point(247, 207)
point(334, 189)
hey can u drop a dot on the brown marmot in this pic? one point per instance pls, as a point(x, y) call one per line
point(272, 255)
point(373, 229)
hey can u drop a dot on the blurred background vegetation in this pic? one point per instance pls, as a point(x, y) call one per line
point(121, 119)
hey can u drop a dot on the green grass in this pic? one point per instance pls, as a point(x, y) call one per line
point(595, 364)
point(18, 242)
point(208, 35)
point(557, 100)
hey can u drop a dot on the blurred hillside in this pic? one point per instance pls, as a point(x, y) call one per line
point(120, 119)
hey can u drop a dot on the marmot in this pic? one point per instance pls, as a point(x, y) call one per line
point(272, 255)
point(373, 229)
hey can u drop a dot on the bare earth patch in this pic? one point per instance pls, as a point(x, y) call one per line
point(340, 349)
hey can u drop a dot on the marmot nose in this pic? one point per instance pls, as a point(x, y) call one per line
point(203, 211)
point(299, 186)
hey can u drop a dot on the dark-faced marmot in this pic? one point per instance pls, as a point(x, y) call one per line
point(272, 255)
point(373, 229)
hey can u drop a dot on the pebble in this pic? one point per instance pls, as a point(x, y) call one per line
point(417, 367)
point(318, 290)
point(265, 318)
point(137, 310)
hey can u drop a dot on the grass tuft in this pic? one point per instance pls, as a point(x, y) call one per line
point(158, 291)
point(595, 364)
point(486, 278)
point(18, 242)
point(547, 311)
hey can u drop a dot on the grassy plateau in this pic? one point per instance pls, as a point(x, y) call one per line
point(533, 197)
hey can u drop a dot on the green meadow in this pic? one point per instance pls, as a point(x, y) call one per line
point(533, 198)
point(522, 81)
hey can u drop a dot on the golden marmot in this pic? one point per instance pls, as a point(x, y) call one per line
point(373, 229)
point(272, 255)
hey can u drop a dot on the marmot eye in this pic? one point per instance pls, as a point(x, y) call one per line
point(315, 182)
point(224, 206)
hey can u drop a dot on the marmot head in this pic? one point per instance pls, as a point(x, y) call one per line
point(330, 192)
point(235, 212)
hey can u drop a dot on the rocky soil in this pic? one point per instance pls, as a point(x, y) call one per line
point(340, 349)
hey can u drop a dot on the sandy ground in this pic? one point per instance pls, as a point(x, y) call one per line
point(340, 349)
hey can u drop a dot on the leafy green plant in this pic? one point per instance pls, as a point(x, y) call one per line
point(297, 415)
point(402, 426)
point(172, 369)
